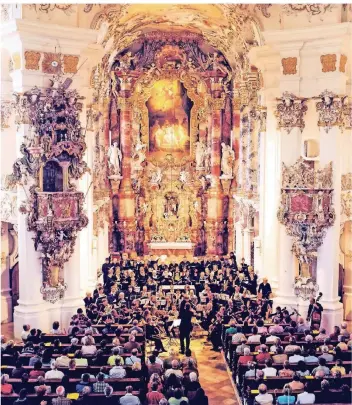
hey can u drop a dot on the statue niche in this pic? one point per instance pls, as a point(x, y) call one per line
point(53, 177)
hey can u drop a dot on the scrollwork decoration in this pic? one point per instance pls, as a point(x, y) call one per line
point(290, 112)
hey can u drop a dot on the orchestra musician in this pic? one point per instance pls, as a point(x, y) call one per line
point(186, 314)
point(315, 310)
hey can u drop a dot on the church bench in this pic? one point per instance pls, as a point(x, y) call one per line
point(76, 373)
point(118, 384)
point(93, 399)
point(253, 393)
point(140, 337)
point(24, 359)
point(279, 382)
point(347, 364)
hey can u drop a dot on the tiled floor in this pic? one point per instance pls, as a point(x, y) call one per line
point(213, 374)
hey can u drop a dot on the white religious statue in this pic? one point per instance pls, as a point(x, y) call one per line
point(157, 176)
point(183, 176)
point(200, 154)
point(227, 160)
point(115, 156)
point(139, 155)
point(33, 139)
point(207, 159)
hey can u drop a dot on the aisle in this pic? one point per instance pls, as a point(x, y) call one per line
point(214, 377)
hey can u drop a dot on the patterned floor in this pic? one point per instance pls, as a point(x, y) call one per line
point(214, 377)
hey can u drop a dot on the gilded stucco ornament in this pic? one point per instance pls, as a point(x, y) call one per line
point(330, 110)
point(6, 111)
point(289, 65)
point(290, 111)
point(328, 63)
point(32, 59)
point(306, 207)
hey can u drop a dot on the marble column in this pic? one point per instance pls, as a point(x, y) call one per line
point(6, 300)
point(214, 195)
point(247, 240)
point(126, 194)
point(328, 253)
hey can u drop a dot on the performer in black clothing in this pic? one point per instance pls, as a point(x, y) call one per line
point(105, 269)
point(186, 326)
point(314, 315)
point(265, 289)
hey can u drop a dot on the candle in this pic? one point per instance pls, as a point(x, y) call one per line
point(109, 138)
point(231, 136)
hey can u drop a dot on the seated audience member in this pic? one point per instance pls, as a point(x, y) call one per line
point(32, 337)
point(131, 344)
point(238, 336)
point(54, 373)
point(171, 384)
point(240, 348)
point(286, 398)
point(338, 367)
point(47, 358)
point(83, 383)
point(129, 398)
point(280, 357)
point(153, 366)
point(89, 348)
point(301, 326)
point(200, 398)
point(342, 344)
point(37, 372)
point(41, 385)
point(302, 370)
point(117, 371)
point(343, 331)
point(177, 398)
point(25, 332)
point(173, 355)
point(325, 396)
point(191, 386)
point(261, 328)
point(63, 360)
point(61, 400)
point(321, 367)
point(254, 337)
point(326, 355)
point(263, 398)
point(100, 384)
point(345, 397)
point(56, 329)
point(22, 399)
point(286, 371)
point(115, 355)
point(189, 368)
point(336, 333)
point(296, 384)
point(296, 357)
point(269, 370)
point(154, 396)
point(28, 348)
point(80, 361)
point(174, 370)
point(129, 361)
point(6, 388)
point(231, 330)
point(306, 397)
point(292, 346)
point(263, 356)
point(135, 327)
point(246, 357)
point(311, 358)
point(18, 371)
point(322, 335)
point(187, 357)
point(276, 328)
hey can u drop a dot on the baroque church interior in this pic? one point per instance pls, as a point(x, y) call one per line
point(176, 177)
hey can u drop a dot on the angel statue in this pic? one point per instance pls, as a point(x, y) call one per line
point(183, 176)
point(139, 154)
point(227, 160)
point(157, 176)
point(200, 155)
point(115, 157)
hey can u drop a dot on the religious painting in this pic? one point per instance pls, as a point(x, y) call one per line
point(169, 110)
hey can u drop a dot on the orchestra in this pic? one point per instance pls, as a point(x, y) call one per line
point(167, 298)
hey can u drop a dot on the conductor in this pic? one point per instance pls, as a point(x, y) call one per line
point(186, 315)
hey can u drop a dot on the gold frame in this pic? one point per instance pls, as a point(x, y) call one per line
point(191, 81)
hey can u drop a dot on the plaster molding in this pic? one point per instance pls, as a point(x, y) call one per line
point(39, 36)
point(322, 33)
